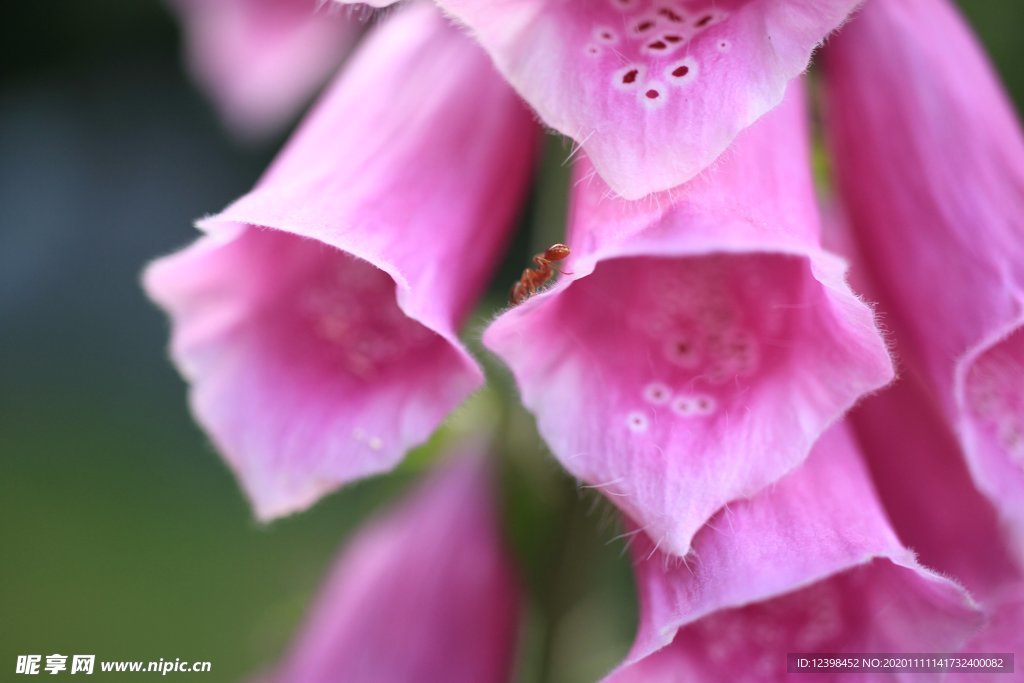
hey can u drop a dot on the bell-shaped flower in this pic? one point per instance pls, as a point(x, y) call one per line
point(260, 60)
point(922, 481)
point(703, 340)
point(930, 164)
point(316, 319)
point(425, 593)
point(809, 565)
point(942, 517)
point(918, 472)
point(653, 90)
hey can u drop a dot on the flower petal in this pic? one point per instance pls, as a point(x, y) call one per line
point(808, 565)
point(322, 349)
point(916, 465)
point(703, 341)
point(918, 469)
point(426, 593)
point(260, 60)
point(653, 91)
point(304, 370)
point(930, 164)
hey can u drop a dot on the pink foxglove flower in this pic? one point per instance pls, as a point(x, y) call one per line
point(654, 91)
point(928, 494)
point(809, 565)
point(918, 472)
point(930, 162)
point(316, 319)
point(426, 593)
point(696, 361)
point(260, 60)
point(703, 341)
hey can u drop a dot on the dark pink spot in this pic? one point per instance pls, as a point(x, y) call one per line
point(669, 14)
point(657, 45)
point(672, 38)
point(652, 94)
point(644, 26)
point(703, 21)
point(630, 76)
point(680, 71)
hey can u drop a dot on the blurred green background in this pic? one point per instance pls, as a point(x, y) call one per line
point(121, 533)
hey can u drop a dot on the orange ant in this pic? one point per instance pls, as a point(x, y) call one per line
point(531, 279)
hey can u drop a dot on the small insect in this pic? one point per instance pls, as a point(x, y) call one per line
point(533, 278)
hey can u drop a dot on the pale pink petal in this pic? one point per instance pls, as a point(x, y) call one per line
point(261, 60)
point(930, 164)
point(809, 565)
point(317, 320)
point(426, 593)
point(703, 340)
point(989, 385)
point(654, 90)
point(928, 494)
point(304, 370)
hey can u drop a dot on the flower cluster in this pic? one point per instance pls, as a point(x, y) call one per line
point(705, 362)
